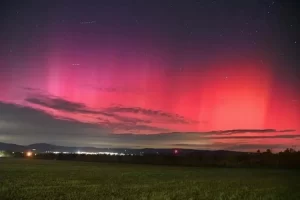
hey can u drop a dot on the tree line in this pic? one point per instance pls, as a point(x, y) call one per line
point(285, 159)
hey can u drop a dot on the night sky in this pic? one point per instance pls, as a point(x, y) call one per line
point(206, 74)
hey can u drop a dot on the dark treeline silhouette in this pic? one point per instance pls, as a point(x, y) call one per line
point(286, 159)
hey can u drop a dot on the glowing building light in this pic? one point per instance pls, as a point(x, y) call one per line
point(29, 154)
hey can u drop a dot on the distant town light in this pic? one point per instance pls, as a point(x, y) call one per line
point(88, 153)
point(29, 154)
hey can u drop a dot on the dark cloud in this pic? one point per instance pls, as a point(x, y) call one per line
point(18, 114)
point(173, 118)
point(258, 137)
point(131, 120)
point(237, 131)
point(251, 147)
point(127, 123)
point(60, 104)
point(254, 147)
point(288, 130)
point(204, 136)
point(223, 135)
point(27, 125)
point(212, 146)
point(116, 112)
point(130, 127)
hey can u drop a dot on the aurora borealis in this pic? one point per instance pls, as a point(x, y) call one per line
point(201, 74)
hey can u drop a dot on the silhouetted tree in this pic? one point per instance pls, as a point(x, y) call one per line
point(269, 151)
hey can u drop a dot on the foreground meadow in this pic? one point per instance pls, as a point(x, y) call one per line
point(40, 179)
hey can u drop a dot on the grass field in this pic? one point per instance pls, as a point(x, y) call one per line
point(40, 179)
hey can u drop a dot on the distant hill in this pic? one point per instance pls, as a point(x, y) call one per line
point(11, 147)
point(43, 147)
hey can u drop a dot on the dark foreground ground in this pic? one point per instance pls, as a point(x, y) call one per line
point(40, 179)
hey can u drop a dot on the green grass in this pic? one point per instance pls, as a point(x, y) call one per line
point(45, 180)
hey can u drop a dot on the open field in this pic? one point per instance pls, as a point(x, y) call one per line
point(45, 180)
